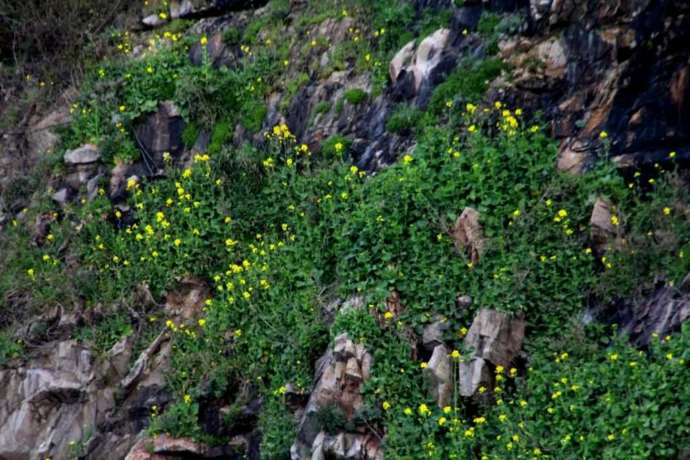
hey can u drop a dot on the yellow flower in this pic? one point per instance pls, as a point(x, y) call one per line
point(408, 411)
point(178, 242)
point(407, 159)
point(472, 129)
point(672, 155)
point(471, 108)
point(479, 420)
point(202, 322)
point(31, 273)
point(603, 135)
point(513, 372)
point(462, 332)
point(442, 421)
point(523, 403)
point(611, 437)
point(667, 211)
point(423, 365)
point(447, 410)
point(388, 315)
point(386, 405)
point(187, 173)
point(613, 357)
point(469, 433)
point(187, 399)
point(455, 354)
point(502, 418)
point(614, 220)
point(423, 410)
point(203, 40)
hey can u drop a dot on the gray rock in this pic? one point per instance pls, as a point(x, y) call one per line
point(180, 8)
point(85, 154)
point(601, 228)
point(52, 402)
point(496, 337)
point(438, 374)
point(161, 132)
point(473, 375)
point(153, 20)
point(62, 196)
point(433, 333)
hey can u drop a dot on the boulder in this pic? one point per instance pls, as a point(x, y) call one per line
point(415, 70)
point(468, 235)
point(433, 333)
point(473, 374)
point(438, 375)
point(602, 228)
point(153, 20)
point(495, 337)
point(573, 157)
point(85, 154)
point(62, 196)
point(41, 136)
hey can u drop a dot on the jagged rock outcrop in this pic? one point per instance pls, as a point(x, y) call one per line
point(657, 315)
point(54, 401)
point(339, 375)
point(622, 67)
point(66, 396)
point(495, 339)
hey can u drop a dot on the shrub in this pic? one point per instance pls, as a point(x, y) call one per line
point(355, 96)
point(404, 119)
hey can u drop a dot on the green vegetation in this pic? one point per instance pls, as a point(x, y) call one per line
point(355, 96)
point(579, 400)
point(279, 232)
point(404, 119)
point(467, 83)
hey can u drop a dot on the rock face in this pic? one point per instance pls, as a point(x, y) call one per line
point(161, 132)
point(50, 403)
point(618, 66)
point(66, 396)
point(660, 314)
point(338, 380)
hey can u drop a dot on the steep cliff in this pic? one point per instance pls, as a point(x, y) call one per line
point(345, 229)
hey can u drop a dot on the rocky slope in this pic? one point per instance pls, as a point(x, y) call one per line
point(161, 365)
